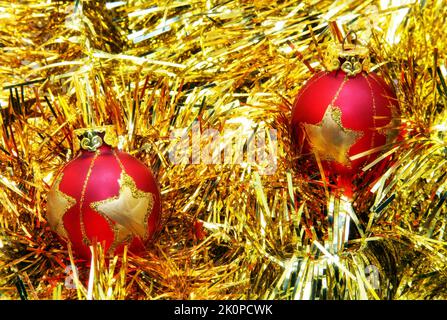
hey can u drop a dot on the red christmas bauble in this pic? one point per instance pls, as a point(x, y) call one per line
point(337, 115)
point(104, 196)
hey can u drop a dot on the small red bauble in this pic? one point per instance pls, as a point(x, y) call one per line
point(104, 196)
point(342, 113)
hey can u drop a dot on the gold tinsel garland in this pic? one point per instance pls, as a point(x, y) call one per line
point(229, 232)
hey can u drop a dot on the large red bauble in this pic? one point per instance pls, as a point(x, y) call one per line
point(336, 116)
point(105, 196)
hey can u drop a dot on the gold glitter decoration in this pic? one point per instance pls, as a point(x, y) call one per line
point(330, 139)
point(130, 209)
point(58, 204)
point(85, 238)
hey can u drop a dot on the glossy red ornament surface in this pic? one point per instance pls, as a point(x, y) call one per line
point(105, 196)
point(364, 104)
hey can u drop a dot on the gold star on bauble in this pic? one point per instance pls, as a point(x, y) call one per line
point(57, 205)
point(330, 139)
point(130, 210)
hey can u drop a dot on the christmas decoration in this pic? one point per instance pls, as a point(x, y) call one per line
point(343, 112)
point(104, 196)
point(154, 69)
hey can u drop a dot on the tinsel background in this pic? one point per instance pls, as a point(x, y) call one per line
point(229, 232)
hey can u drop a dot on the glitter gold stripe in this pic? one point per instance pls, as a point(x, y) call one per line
point(85, 239)
point(373, 139)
